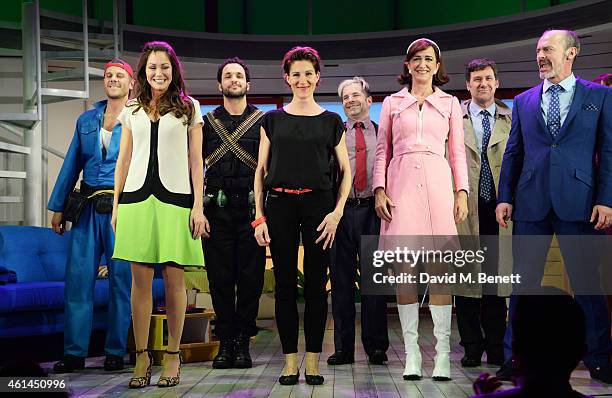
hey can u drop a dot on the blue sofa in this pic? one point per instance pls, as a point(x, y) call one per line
point(35, 304)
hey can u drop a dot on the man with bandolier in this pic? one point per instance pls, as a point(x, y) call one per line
point(234, 261)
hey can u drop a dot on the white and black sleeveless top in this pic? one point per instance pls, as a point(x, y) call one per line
point(160, 156)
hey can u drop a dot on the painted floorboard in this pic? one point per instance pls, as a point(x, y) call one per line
point(360, 379)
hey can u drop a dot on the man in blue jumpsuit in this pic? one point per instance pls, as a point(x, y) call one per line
point(93, 151)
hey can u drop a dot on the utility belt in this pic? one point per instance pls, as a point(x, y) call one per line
point(359, 202)
point(77, 199)
point(221, 198)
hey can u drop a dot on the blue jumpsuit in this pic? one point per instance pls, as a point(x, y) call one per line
point(91, 237)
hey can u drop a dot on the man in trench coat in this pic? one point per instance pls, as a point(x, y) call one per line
point(481, 309)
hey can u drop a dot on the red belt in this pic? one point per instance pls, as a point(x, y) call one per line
point(298, 191)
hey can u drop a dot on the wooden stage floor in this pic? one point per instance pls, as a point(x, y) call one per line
point(357, 380)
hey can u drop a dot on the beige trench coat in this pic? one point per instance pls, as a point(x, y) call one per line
point(495, 153)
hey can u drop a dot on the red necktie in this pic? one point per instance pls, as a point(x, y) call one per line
point(361, 174)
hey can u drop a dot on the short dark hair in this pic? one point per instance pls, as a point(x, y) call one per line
point(301, 54)
point(439, 79)
point(538, 316)
point(233, 60)
point(479, 64)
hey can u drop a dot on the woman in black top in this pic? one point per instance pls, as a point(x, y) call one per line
point(296, 145)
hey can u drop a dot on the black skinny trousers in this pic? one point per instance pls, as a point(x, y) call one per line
point(235, 264)
point(288, 215)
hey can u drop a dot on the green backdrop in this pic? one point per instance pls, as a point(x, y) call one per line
point(292, 17)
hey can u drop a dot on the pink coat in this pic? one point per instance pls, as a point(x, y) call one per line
point(411, 165)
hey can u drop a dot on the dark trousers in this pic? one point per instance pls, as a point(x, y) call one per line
point(356, 221)
point(486, 314)
point(235, 264)
point(581, 264)
point(478, 315)
point(288, 215)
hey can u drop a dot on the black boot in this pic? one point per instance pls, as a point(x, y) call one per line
point(225, 357)
point(113, 362)
point(243, 358)
point(69, 364)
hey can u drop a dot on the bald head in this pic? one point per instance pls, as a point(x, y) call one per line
point(569, 37)
point(556, 52)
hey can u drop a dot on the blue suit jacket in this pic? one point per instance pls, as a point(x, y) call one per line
point(539, 173)
point(85, 154)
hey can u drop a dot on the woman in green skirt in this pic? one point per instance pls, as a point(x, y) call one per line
point(157, 214)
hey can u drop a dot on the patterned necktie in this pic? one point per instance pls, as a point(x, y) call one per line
point(553, 119)
point(486, 178)
point(361, 175)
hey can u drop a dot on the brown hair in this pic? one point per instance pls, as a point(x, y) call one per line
point(440, 77)
point(480, 64)
point(175, 99)
point(301, 54)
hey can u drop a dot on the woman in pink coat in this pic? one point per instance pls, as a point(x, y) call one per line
point(413, 184)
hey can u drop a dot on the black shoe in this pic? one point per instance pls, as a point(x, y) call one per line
point(470, 362)
point(69, 364)
point(473, 356)
point(289, 380)
point(340, 358)
point(377, 357)
point(113, 362)
point(314, 380)
point(507, 371)
point(602, 373)
point(495, 359)
point(225, 357)
point(242, 358)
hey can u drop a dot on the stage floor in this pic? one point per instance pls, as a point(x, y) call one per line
point(358, 380)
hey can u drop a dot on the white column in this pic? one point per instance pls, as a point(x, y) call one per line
point(33, 200)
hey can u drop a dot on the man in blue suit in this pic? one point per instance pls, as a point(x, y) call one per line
point(550, 184)
point(93, 151)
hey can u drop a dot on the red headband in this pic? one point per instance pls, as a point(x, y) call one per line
point(120, 64)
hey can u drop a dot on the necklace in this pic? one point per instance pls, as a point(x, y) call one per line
point(110, 120)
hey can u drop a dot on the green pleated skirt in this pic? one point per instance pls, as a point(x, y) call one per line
point(156, 232)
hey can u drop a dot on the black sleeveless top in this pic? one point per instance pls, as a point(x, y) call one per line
point(301, 148)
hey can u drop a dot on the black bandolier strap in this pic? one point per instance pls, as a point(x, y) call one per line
point(230, 141)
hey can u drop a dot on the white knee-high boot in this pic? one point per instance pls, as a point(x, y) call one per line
point(409, 318)
point(441, 315)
